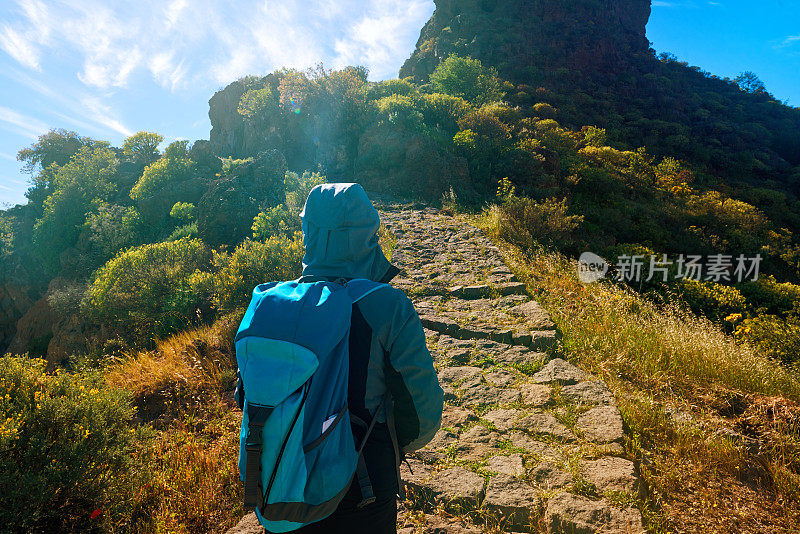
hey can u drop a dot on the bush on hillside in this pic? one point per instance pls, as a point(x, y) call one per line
point(65, 445)
point(467, 78)
point(775, 336)
point(144, 292)
point(251, 263)
point(274, 222)
point(525, 222)
point(715, 301)
point(174, 166)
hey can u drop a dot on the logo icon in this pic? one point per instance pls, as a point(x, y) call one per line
point(591, 267)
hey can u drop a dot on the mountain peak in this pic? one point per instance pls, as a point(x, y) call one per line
point(519, 35)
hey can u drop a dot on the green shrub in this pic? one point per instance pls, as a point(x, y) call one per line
point(443, 111)
point(775, 297)
point(183, 212)
point(113, 228)
point(250, 264)
point(258, 103)
point(65, 446)
point(273, 222)
point(144, 292)
point(715, 301)
point(174, 166)
point(467, 78)
point(390, 87)
point(524, 221)
point(776, 337)
point(187, 230)
point(298, 187)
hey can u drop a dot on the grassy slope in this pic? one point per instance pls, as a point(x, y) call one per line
point(714, 424)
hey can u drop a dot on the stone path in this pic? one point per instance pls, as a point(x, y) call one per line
point(527, 443)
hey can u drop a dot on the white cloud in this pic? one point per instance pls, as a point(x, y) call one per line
point(102, 113)
point(19, 47)
point(379, 38)
point(21, 124)
point(9, 157)
point(789, 41)
point(179, 43)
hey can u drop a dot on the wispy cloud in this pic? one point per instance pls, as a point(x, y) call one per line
point(789, 41)
point(102, 113)
point(21, 124)
point(9, 157)
point(378, 38)
point(117, 41)
point(19, 46)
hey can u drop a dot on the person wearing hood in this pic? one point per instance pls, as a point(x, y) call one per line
point(388, 353)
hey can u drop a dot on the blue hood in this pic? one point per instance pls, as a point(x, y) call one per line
point(340, 234)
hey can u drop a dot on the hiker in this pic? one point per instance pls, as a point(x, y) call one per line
point(339, 344)
point(387, 351)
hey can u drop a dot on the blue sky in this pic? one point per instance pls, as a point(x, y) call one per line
point(110, 68)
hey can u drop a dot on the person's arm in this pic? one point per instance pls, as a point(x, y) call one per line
point(412, 380)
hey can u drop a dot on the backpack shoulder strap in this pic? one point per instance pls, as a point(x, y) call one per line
point(358, 288)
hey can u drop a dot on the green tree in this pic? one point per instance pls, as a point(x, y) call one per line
point(142, 147)
point(54, 147)
point(85, 178)
point(173, 166)
point(467, 78)
point(749, 82)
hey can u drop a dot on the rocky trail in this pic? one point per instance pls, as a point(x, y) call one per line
point(527, 443)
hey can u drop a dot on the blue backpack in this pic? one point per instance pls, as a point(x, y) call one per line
point(297, 453)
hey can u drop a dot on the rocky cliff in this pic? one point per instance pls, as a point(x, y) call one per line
point(517, 35)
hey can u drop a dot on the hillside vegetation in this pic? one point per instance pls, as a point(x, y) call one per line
point(129, 268)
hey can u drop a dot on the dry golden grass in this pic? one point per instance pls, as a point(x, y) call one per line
point(183, 392)
point(713, 423)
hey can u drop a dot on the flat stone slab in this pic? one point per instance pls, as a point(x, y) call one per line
point(481, 392)
point(601, 424)
point(588, 392)
point(547, 475)
point(611, 473)
point(534, 314)
point(543, 423)
point(456, 416)
point(441, 439)
point(561, 372)
point(568, 513)
point(507, 465)
point(514, 500)
point(477, 443)
point(456, 485)
point(456, 375)
point(503, 419)
point(537, 448)
point(535, 394)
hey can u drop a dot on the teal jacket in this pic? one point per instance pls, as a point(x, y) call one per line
point(387, 343)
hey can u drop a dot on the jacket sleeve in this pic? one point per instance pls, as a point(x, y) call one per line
point(411, 379)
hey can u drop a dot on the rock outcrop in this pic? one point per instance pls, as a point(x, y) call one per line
point(515, 35)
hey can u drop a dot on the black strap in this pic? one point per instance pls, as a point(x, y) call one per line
point(401, 490)
point(367, 494)
point(362, 475)
point(254, 443)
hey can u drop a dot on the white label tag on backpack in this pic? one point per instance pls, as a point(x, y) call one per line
point(328, 422)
